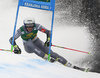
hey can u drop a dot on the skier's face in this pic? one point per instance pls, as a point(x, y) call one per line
point(29, 27)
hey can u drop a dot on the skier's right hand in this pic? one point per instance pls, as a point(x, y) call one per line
point(17, 50)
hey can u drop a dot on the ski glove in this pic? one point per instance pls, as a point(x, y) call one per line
point(47, 42)
point(17, 50)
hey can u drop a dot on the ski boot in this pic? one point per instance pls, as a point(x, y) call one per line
point(68, 64)
point(52, 60)
point(45, 57)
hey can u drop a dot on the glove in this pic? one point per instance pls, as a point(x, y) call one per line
point(47, 42)
point(17, 50)
point(52, 60)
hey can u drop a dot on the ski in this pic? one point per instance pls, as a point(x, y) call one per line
point(52, 60)
point(82, 69)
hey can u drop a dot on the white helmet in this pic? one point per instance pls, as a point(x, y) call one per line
point(29, 20)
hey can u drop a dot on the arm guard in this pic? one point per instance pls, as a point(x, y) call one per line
point(44, 30)
point(10, 40)
point(17, 34)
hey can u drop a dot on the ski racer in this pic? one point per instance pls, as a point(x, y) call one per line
point(32, 44)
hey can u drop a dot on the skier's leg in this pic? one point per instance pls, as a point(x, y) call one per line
point(40, 46)
point(45, 49)
point(32, 48)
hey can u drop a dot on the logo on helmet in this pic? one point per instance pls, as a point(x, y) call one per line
point(29, 20)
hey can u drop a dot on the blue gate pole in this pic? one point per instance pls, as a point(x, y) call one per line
point(51, 36)
point(14, 28)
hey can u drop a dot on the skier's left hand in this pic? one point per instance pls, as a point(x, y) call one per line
point(47, 43)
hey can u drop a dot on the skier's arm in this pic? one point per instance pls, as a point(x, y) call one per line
point(17, 50)
point(43, 29)
point(17, 35)
point(47, 32)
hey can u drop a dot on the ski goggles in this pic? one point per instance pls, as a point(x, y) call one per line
point(29, 25)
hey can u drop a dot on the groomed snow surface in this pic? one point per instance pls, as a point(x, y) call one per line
point(20, 66)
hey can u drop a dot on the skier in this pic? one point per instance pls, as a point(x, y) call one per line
point(33, 44)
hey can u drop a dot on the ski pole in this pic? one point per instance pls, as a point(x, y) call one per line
point(71, 49)
point(5, 50)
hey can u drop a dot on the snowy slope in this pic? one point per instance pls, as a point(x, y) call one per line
point(31, 66)
point(23, 67)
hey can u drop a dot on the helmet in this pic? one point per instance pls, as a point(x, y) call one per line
point(29, 22)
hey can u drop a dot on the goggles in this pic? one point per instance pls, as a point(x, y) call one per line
point(29, 25)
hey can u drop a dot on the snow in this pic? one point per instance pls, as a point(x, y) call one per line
point(31, 66)
point(17, 66)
